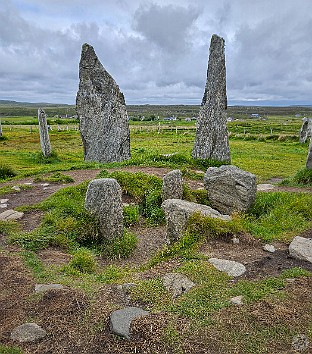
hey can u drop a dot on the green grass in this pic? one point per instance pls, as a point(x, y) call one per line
point(10, 350)
point(279, 215)
point(56, 177)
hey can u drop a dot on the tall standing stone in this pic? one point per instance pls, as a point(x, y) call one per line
point(44, 133)
point(211, 141)
point(309, 158)
point(101, 109)
point(306, 130)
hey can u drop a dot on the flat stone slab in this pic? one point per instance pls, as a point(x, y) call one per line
point(40, 288)
point(28, 332)
point(232, 268)
point(265, 187)
point(269, 248)
point(120, 320)
point(11, 215)
point(3, 205)
point(237, 300)
point(3, 201)
point(301, 248)
point(16, 188)
point(177, 283)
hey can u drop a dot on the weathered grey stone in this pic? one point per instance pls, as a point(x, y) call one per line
point(211, 141)
point(120, 320)
point(265, 187)
point(44, 133)
point(172, 185)
point(269, 248)
point(40, 288)
point(237, 300)
point(301, 248)
point(101, 109)
point(309, 157)
point(177, 283)
point(300, 343)
point(3, 201)
point(232, 268)
point(178, 212)
point(230, 188)
point(103, 200)
point(306, 130)
point(28, 332)
point(11, 215)
point(16, 188)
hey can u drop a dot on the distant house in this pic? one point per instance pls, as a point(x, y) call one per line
point(230, 119)
point(297, 115)
point(255, 115)
point(187, 119)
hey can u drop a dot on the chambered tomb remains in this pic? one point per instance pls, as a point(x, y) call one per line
point(101, 110)
point(211, 140)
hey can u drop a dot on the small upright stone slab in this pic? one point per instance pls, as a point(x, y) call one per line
point(172, 185)
point(28, 332)
point(101, 109)
point(230, 189)
point(103, 200)
point(120, 320)
point(179, 211)
point(212, 141)
point(44, 133)
point(11, 215)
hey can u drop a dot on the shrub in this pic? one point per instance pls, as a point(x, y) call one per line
point(83, 261)
point(41, 159)
point(6, 172)
point(120, 247)
point(131, 214)
point(303, 176)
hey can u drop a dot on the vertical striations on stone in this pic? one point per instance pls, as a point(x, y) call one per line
point(211, 141)
point(44, 133)
point(102, 113)
point(306, 130)
point(103, 200)
point(309, 158)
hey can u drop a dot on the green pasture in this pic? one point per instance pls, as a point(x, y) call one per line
point(267, 158)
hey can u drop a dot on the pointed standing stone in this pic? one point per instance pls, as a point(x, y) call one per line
point(309, 158)
point(101, 109)
point(44, 133)
point(211, 141)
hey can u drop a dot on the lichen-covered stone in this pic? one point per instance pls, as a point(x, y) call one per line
point(172, 185)
point(309, 157)
point(28, 332)
point(44, 133)
point(177, 284)
point(306, 130)
point(211, 141)
point(179, 211)
point(230, 189)
point(231, 268)
point(101, 109)
point(301, 248)
point(103, 200)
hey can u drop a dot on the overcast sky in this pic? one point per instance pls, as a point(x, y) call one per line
point(157, 51)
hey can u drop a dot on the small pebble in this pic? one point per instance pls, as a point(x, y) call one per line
point(269, 248)
point(3, 201)
point(16, 188)
point(2, 206)
point(235, 240)
point(237, 300)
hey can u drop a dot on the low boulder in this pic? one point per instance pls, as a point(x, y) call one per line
point(301, 248)
point(28, 332)
point(178, 212)
point(231, 268)
point(120, 320)
point(230, 189)
point(177, 284)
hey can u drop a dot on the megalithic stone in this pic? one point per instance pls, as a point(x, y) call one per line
point(101, 109)
point(44, 133)
point(211, 140)
point(309, 158)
